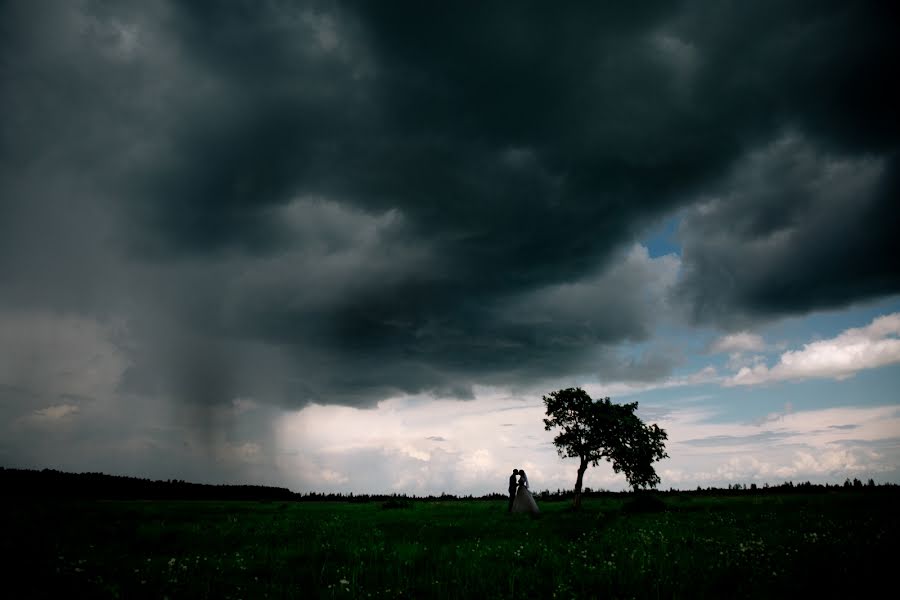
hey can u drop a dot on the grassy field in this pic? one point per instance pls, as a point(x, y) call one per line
point(829, 545)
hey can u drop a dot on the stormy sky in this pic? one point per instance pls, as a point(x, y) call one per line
point(349, 245)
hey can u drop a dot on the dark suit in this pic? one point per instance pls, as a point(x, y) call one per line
point(512, 491)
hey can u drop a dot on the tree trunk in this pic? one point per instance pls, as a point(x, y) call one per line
point(581, 469)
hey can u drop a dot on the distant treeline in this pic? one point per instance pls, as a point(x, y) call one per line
point(787, 487)
point(52, 484)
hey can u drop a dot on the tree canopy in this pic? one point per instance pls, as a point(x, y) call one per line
point(601, 430)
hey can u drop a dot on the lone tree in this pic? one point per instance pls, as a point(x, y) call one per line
point(594, 430)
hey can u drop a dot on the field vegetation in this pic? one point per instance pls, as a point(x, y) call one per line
point(840, 543)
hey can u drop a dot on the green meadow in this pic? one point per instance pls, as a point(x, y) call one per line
point(823, 545)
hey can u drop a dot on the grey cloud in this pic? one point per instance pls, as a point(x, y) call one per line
point(654, 413)
point(339, 202)
point(652, 364)
point(885, 444)
point(793, 228)
point(736, 440)
point(773, 416)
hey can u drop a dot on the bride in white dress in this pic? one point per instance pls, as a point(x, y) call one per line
point(524, 501)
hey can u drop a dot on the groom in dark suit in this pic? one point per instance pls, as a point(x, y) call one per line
point(512, 489)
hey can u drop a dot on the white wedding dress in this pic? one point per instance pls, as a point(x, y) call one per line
point(524, 502)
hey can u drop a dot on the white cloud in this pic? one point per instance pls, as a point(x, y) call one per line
point(386, 448)
point(743, 341)
point(800, 465)
point(854, 350)
point(707, 374)
point(739, 360)
point(815, 428)
point(816, 445)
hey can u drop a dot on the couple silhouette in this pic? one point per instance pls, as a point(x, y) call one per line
point(520, 498)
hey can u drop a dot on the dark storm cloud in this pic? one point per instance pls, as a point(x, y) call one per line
point(340, 202)
point(792, 229)
point(802, 220)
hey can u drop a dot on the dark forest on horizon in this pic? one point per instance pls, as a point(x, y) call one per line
point(54, 484)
